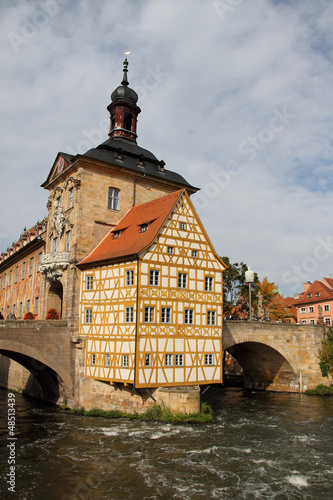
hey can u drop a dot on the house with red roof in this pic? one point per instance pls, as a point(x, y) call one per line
point(151, 299)
point(315, 304)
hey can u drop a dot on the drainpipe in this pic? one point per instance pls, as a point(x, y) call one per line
point(134, 185)
point(136, 318)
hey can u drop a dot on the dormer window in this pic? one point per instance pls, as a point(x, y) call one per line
point(309, 295)
point(144, 228)
point(116, 234)
point(317, 294)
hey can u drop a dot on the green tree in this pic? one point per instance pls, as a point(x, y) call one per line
point(236, 291)
point(326, 354)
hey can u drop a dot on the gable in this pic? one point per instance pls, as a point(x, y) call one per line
point(61, 163)
point(184, 231)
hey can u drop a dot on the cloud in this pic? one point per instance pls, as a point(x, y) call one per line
point(212, 78)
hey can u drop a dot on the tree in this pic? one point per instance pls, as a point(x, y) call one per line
point(272, 302)
point(236, 291)
point(326, 354)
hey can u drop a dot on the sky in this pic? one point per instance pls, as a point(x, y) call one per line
point(236, 96)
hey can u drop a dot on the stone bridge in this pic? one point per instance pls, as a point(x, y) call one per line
point(275, 356)
point(45, 349)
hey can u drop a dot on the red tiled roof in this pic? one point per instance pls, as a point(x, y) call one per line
point(329, 281)
point(131, 240)
point(310, 295)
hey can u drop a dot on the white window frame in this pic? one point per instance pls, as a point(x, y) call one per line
point(113, 198)
point(182, 226)
point(93, 359)
point(169, 360)
point(179, 359)
point(125, 361)
point(303, 310)
point(36, 306)
point(209, 281)
point(154, 277)
point(129, 277)
point(328, 321)
point(194, 254)
point(182, 280)
point(311, 309)
point(87, 316)
point(107, 360)
point(326, 307)
point(189, 316)
point(165, 314)
point(209, 359)
point(149, 314)
point(170, 250)
point(211, 318)
point(129, 314)
point(89, 282)
point(147, 360)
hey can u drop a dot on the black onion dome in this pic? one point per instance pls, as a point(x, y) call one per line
point(124, 92)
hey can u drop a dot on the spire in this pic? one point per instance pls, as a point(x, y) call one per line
point(125, 70)
point(123, 109)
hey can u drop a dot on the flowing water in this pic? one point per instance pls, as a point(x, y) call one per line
point(259, 446)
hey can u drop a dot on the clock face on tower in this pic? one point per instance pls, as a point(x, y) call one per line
point(60, 165)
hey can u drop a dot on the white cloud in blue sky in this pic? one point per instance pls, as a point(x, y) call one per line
point(235, 95)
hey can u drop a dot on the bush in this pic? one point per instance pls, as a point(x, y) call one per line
point(326, 354)
point(320, 390)
point(29, 315)
point(52, 314)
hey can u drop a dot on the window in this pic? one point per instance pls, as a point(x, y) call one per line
point(70, 198)
point(20, 309)
point(89, 282)
point(16, 274)
point(88, 316)
point(31, 266)
point(40, 256)
point(68, 241)
point(23, 270)
point(311, 309)
point(36, 306)
point(128, 121)
point(113, 200)
point(107, 360)
point(179, 360)
point(4, 280)
point(182, 226)
point(14, 308)
point(55, 245)
point(195, 253)
point(303, 310)
point(93, 359)
point(116, 234)
point(317, 294)
point(125, 360)
point(147, 359)
point(165, 314)
point(208, 283)
point(211, 318)
point(309, 295)
point(208, 359)
point(168, 360)
point(128, 314)
point(144, 228)
point(312, 321)
point(182, 280)
point(154, 277)
point(326, 307)
point(28, 305)
point(170, 250)
point(149, 314)
point(10, 277)
point(129, 278)
point(303, 321)
point(188, 317)
point(328, 321)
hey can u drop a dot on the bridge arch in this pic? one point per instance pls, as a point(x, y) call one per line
point(54, 381)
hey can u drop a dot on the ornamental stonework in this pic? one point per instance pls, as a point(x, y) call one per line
point(53, 265)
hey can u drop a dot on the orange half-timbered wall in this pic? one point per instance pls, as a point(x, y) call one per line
point(176, 337)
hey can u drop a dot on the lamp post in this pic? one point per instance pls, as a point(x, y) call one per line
point(249, 278)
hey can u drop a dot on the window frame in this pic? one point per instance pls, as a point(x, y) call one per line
point(149, 314)
point(209, 283)
point(166, 315)
point(168, 360)
point(129, 277)
point(154, 277)
point(209, 359)
point(129, 314)
point(179, 359)
point(89, 282)
point(113, 198)
point(211, 318)
point(182, 280)
point(88, 316)
point(189, 317)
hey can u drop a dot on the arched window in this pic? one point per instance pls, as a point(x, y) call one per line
point(113, 199)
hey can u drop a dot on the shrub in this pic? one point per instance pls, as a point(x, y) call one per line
point(320, 390)
point(29, 315)
point(326, 354)
point(52, 314)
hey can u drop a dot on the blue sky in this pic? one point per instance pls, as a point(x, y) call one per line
point(235, 95)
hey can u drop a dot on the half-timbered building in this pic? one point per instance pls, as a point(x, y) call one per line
point(151, 299)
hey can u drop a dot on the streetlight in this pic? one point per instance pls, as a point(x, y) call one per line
point(249, 278)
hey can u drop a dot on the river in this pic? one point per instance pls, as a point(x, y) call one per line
point(260, 445)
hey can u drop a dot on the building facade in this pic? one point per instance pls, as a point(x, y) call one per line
point(315, 304)
point(161, 327)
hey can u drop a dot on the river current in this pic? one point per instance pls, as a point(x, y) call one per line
point(260, 446)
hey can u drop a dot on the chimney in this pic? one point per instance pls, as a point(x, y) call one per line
point(307, 285)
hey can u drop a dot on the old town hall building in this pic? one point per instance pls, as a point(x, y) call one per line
point(124, 258)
